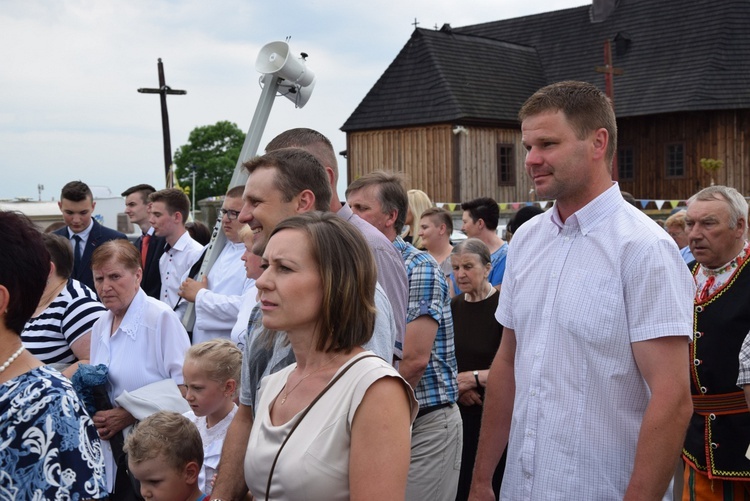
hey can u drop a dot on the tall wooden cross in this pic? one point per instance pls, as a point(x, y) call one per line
point(609, 88)
point(163, 90)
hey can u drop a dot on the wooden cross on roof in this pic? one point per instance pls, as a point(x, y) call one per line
point(163, 90)
point(609, 88)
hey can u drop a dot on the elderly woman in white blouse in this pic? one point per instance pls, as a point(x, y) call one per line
point(140, 340)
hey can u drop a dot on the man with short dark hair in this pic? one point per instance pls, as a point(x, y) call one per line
point(429, 362)
point(150, 246)
point(85, 234)
point(281, 184)
point(589, 389)
point(480, 219)
point(169, 211)
point(391, 271)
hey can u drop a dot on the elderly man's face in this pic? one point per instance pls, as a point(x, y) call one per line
point(712, 241)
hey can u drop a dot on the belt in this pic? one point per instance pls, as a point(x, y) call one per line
point(426, 410)
point(721, 404)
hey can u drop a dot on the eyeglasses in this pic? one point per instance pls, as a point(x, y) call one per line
point(231, 214)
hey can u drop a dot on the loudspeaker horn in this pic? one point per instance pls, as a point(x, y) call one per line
point(274, 59)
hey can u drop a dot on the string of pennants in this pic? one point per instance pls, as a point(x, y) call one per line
point(543, 204)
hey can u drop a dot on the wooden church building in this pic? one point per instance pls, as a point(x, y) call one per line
point(445, 111)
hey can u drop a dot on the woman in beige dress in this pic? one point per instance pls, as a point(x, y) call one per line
point(336, 424)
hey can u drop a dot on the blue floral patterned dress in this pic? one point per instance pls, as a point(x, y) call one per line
point(49, 448)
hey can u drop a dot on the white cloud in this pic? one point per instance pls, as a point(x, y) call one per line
point(71, 68)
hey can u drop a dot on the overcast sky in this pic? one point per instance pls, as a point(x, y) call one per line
point(69, 71)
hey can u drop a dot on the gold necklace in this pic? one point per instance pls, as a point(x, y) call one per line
point(286, 393)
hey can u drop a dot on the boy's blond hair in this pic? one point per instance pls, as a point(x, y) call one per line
point(167, 434)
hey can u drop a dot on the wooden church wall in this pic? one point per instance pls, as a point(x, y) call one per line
point(722, 135)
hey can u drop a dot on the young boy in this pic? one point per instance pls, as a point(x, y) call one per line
point(165, 454)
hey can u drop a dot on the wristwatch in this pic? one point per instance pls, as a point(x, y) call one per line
point(476, 378)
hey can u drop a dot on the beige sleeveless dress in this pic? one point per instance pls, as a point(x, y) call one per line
point(314, 464)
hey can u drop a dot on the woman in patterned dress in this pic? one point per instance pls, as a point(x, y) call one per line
point(49, 448)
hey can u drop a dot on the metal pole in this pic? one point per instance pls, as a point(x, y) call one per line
point(249, 150)
point(192, 192)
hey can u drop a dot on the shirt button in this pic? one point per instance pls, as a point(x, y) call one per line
point(712, 416)
point(696, 362)
point(714, 445)
point(704, 389)
point(533, 393)
point(698, 335)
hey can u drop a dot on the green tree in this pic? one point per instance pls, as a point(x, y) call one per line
point(213, 150)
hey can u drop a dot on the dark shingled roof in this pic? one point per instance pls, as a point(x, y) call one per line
point(441, 76)
point(683, 55)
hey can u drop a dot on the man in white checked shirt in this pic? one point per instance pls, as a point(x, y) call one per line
point(589, 387)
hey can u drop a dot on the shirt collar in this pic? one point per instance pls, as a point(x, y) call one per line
point(345, 212)
point(131, 320)
point(182, 242)
point(588, 216)
point(400, 243)
point(84, 234)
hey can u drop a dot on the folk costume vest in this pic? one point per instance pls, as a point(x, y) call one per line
point(719, 431)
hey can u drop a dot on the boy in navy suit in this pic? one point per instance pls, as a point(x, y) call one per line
point(85, 234)
point(151, 247)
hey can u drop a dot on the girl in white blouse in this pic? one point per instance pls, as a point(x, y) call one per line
point(212, 373)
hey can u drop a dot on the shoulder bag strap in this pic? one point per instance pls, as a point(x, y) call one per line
point(304, 413)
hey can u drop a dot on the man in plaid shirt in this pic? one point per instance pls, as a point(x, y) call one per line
point(429, 362)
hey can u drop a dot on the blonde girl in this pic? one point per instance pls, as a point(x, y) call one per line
point(419, 202)
point(212, 372)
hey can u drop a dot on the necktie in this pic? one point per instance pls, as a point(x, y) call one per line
point(77, 255)
point(144, 249)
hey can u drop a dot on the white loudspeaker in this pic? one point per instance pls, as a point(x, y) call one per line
point(296, 94)
point(274, 59)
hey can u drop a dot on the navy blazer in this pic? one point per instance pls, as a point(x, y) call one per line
point(151, 281)
point(99, 234)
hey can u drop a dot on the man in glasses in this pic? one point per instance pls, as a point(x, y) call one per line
point(218, 296)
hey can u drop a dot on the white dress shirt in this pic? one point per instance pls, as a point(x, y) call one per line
point(174, 263)
point(216, 308)
point(148, 346)
point(84, 236)
point(578, 294)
